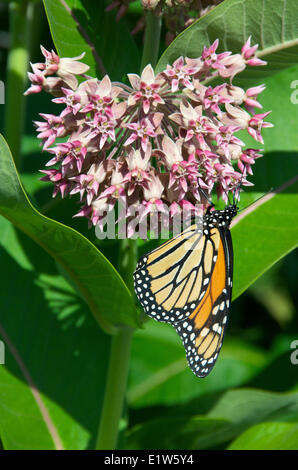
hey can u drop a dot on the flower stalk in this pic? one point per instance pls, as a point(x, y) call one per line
point(21, 15)
point(119, 361)
point(121, 342)
point(152, 40)
point(115, 390)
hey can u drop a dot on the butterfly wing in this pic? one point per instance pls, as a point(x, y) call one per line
point(202, 332)
point(171, 281)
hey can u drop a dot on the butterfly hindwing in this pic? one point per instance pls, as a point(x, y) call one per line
point(202, 333)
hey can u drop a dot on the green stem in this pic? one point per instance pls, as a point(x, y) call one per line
point(120, 348)
point(115, 390)
point(152, 40)
point(127, 261)
point(119, 361)
point(21, 13)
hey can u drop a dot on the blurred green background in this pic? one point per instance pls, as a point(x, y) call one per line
point(167, 406)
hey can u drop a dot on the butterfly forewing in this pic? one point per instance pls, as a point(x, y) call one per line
point(172, 279)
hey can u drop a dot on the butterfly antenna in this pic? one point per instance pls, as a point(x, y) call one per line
point(205, 195)
point(236, 191)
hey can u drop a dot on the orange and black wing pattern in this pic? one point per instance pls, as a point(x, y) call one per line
point(203, 331)
point(171, 281)
point(187, 282)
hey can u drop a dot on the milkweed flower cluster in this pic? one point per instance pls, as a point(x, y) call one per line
point(154, 145)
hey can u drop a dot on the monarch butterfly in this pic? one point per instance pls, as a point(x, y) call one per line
point(187, 281)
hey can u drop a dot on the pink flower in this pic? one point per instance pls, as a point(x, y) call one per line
point(103, 127)
point(179, 74)
point(194, 124)
point(41, 82)
point(232, 65)
point(153, 148)
point(249, 54)
point(250, 101)
point(148, 88)
point(138, 164)
point(211, 59)
point(255, 125)
point(74, 153)
point(235, 116)
point(66, 68)
point(116, 189)
point(247, 159)
point(144, 129)
point(226, 137)
point(55, 176)
point(53, 127)
point(153, 197)
point(98, 96)
point(71, 100)
point(90, 183)
point(213, 98)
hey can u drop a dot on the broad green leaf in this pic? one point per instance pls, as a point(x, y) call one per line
point(268, 436)
point(284, 113)
point(246, 407)
point(232, 413)
point(272, 292)
point(249, 405)
point(279, 359)
point(281, 138)
point(24, 423)
point(84, 26)
point(271, 231)
point(271, 23)
point(174, 433)
point(52, 382)
point(264, 235)
point(97, 281)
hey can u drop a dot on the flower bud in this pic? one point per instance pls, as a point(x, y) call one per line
point(150, 4)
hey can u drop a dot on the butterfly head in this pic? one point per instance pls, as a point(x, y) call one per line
point(230, 212)
point(221, 218)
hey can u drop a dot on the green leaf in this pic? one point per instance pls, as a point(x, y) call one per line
point(95, 278)
point(283, 137)
point(284, 113)
point(264, 235)
point(159, 374)
point(271, 23)
point(229, 415)
point(246, 407)
point(268, 436)
point(270, 232)
point(84, 26)
point(173, 433)
point(280, 360)
point(53, 379)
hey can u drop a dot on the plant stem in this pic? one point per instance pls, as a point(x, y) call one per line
point(120, 348)
point(17, 64)
point(152, 40)
point(119, 361)
point(127, 261)
point(115, 390)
